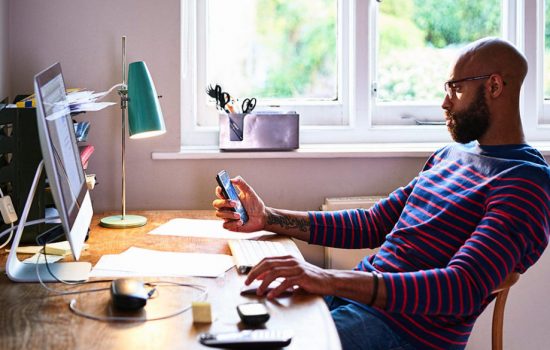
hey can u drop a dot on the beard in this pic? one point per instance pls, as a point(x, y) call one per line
point(472, 123)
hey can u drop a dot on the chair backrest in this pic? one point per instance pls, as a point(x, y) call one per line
point(498, 312)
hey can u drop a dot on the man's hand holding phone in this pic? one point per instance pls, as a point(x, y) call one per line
point(229, 192)
point(243, 212)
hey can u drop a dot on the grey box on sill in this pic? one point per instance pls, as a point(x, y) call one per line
point(259, 132)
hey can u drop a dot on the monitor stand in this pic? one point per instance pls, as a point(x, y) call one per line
point(18, 271)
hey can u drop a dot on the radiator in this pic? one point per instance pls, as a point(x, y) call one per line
point(346, 259)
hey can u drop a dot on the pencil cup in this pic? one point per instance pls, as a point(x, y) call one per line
point(259, 132)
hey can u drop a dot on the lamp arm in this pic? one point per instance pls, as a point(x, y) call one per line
point(123, 106)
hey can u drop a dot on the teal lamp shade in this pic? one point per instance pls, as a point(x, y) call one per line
point(144, 113)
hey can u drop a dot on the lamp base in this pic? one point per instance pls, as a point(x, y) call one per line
point(129, 221)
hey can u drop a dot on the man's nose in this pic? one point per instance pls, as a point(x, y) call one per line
point(446, 103)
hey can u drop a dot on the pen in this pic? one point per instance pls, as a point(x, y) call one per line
point(230, 107)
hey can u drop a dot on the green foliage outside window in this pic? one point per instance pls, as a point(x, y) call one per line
point(302, 40)
point(456, 22)
point(417, 42)
point(547, 25)
point(418, 39)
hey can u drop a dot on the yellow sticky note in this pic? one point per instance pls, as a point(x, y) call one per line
point(202, 312)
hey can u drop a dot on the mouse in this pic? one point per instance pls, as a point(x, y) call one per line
point(128, 294)
point(252, 287)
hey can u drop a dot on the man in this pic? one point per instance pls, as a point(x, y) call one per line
point(478, 211)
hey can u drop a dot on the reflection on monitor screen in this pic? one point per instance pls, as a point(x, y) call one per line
point(66, 178)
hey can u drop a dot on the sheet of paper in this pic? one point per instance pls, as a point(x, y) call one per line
point(203, 228)
point(80, 96)
point(146, 262)
point(90, 106)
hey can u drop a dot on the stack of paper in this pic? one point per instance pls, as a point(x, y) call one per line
point(145, 262)
point(83, 101)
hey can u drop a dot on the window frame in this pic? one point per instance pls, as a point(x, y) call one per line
point(360, 121)
point(544, 105)
point(535, 111)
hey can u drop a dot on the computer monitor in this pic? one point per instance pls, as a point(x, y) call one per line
point(66, 179)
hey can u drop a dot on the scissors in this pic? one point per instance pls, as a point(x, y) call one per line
point(248, 105)
point(222, 97)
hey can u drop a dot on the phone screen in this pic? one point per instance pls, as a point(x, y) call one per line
point(229, 192)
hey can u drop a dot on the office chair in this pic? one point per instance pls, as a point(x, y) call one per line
point(498, 311)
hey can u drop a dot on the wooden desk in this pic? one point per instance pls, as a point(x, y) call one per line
point(33, 318)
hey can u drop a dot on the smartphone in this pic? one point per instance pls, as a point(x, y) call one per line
point(253, 314)
point(248, 339)
point(229, 192)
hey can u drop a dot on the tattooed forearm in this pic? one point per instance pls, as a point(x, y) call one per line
point(288, 222)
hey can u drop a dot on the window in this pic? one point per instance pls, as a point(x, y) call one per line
point(547, 52)
point(545, 21)
point(417, 42)
point(283, 52)
point(357, 70)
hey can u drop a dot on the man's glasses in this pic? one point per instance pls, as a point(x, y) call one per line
point(450, 86)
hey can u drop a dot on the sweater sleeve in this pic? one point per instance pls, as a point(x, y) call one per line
point(510, 237)
point(358, 228)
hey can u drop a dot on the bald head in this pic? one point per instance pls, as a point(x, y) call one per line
point(494, 55)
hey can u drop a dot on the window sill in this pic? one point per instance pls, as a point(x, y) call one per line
point(324, 151)
point(387, 150)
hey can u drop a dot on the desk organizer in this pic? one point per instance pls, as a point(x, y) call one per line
point(259, 132)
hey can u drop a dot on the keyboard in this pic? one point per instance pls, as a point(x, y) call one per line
point(248, 253)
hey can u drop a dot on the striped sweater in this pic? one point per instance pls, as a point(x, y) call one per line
point(447, 239)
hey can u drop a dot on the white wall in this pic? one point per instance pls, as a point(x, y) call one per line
point(4, 72)
point(85, 37)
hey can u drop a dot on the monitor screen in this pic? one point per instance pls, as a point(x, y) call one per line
point(61, 156)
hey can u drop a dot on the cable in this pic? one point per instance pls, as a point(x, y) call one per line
point(14, 227)
point(43, 252)
point(28, 223)
point(204, 294)
point(72, 303)
point(67, 292)
point(9, 229)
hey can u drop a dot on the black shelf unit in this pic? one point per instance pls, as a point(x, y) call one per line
point(20, 154)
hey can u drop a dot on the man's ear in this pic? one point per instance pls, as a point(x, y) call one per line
point(496, 85)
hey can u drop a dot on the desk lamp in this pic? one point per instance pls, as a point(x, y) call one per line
point(144, 120)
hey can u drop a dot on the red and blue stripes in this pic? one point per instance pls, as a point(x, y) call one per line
point(447, 239)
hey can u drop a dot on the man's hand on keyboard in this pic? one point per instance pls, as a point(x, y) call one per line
point(295, 272)
point(253, 204)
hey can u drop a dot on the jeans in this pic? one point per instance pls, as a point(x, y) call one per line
point(360, 329)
